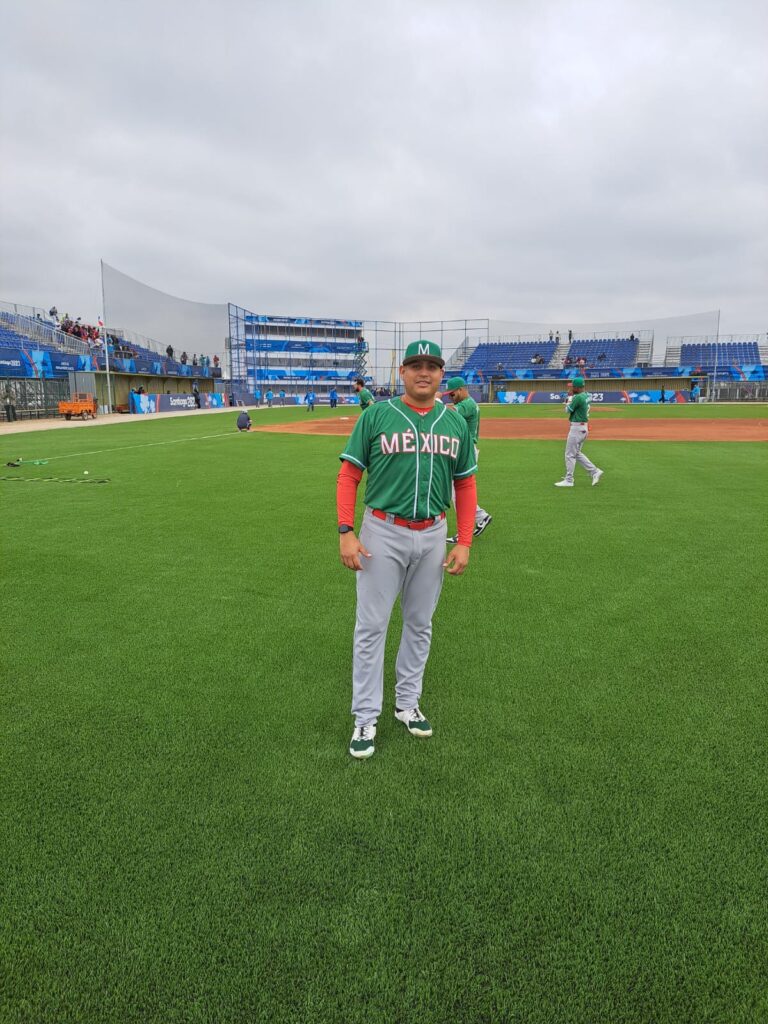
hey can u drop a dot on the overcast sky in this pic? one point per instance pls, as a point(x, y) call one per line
point(547, 160)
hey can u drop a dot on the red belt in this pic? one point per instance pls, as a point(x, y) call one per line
point(410, 524)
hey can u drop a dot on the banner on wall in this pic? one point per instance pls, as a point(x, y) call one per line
point(596, 397)
point(15, 363)
point(144, 404)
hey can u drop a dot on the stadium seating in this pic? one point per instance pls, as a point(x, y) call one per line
point(617, 351)
point(15, 334)
point(12, 339)
point(723, 354)
point(488, 357)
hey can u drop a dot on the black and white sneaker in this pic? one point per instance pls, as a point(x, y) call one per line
point(482, 526)
point(452, 540)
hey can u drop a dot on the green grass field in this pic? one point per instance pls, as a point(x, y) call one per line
point(184, 837)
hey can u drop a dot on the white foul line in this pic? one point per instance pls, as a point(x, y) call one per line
point(147, 444)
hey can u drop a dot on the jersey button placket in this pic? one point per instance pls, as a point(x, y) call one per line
point(424, 465)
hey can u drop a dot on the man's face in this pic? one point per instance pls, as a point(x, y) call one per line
point(421, 379)
point(457, 395)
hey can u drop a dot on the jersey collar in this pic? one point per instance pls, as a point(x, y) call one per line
point(419, 412)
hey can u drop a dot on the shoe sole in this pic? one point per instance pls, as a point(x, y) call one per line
point(421, 735)
point(362, 754)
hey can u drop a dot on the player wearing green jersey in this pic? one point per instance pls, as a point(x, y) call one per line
point(413, 449)
point(364, 395)
point(577, 408)
point(458, 392)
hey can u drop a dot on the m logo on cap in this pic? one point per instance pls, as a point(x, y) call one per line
point(423, 349)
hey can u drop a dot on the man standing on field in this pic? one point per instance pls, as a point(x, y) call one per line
point(458, 392)
point(413, 450)
point(364, 395)
point(578, 413)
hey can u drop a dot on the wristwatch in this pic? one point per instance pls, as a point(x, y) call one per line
point(346, 529)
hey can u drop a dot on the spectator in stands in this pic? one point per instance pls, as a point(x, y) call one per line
point(534, 359)
point(169, 351)
point(581, 362)
point(557, 337)
point(9, 400)
point(215, 362)
point(551, 336)
point(183, 358)
point(570, 335)
point(632, 337)
point(194, 359)
point(53, 312)
point(243, 420)
point(601, 357)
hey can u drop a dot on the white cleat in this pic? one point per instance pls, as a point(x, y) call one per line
point(564, 483)
point(596, 477)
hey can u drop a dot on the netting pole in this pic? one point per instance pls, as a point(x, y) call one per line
point(717, 346)
point(106, 341)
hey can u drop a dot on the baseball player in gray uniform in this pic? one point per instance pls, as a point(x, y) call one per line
point(577, 408)
point(413, 449)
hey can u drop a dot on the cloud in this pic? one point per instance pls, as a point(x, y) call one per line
point(521, 161)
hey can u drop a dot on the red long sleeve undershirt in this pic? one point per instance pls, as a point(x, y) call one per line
point(346, 496)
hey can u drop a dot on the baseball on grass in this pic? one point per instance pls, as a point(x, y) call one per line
point(85, 472)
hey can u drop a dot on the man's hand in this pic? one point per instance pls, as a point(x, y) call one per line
point(456, 560)
point(350, 550)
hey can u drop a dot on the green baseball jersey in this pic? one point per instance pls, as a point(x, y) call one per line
point(411, 460)
point(366, 398)
point(468, 408)
point(578, 408)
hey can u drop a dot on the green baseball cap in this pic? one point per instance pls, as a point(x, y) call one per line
point(423, 349)
point(455, 383)
point(578, 382)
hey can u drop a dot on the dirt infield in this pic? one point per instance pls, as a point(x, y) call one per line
point(551, 429)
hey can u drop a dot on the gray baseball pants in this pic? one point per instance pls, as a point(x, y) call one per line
point(577, 435)
point(408, 563)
